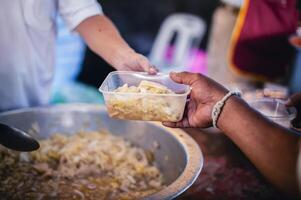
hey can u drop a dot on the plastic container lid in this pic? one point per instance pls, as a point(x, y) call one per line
point(275, 110)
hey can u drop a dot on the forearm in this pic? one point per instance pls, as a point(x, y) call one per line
point(272, 149)
point(104, 39)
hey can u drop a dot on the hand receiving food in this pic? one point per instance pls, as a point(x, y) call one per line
point(295, 100)
point(204, 95)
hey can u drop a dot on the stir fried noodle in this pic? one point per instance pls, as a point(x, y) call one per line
point(95, 165)
point(144, 106)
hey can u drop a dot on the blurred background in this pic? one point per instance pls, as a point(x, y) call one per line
point(190, 35)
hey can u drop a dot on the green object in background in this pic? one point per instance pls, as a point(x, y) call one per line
point(75, 92)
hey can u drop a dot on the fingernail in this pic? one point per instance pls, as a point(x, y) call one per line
point(165, 124)
point(168, 124)
point(153, 70)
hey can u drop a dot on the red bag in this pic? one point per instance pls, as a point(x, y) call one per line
point(259, 47)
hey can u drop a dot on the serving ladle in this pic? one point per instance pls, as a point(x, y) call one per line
point(16, 139)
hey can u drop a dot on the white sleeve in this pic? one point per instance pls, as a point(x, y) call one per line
point(75, 11)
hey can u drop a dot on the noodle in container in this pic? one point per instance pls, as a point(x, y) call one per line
point(140, 96)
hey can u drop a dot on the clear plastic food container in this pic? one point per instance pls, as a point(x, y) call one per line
point(143, 106)
point(275, 110)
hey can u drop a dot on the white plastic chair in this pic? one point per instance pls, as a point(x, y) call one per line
point(189, 31)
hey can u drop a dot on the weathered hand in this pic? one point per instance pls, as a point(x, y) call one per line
point(204, 94)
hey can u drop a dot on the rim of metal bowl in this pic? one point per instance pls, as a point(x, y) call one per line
point(194, 156)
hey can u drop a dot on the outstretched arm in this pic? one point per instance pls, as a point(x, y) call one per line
point(104, 39)
point(271, 148)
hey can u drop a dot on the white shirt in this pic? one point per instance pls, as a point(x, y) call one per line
point(27, 46)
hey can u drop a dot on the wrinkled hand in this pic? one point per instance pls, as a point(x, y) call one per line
point(295, 100)
point(132, 61)
point(204, 95)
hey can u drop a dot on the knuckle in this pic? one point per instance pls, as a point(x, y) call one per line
point(185, 74)
point(196, 77)
point(141, 57)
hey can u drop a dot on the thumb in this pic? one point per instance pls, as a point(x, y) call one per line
point(186, 78)
point(146, 66)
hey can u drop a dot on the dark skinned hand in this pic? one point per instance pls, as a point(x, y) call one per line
point(204, 95)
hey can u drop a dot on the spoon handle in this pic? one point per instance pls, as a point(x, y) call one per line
point(16, 139)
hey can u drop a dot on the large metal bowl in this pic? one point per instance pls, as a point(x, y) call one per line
point(177, 155)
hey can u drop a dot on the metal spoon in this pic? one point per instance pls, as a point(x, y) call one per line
point(16, 139)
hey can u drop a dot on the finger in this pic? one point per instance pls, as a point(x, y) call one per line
point(170, 124)
point(145, 65)
point(294, 100)
point(174, 124)
point(181, 124)
point(153, 70)
point(184, 123)
point(186, 78)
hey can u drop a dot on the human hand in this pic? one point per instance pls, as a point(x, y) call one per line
point(295, 100)
point(132, 61)
point(204, 95)
point(104, 39)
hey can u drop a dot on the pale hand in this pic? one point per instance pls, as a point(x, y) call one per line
point(133, 61)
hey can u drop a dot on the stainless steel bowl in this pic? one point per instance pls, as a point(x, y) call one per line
point(176, 153)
